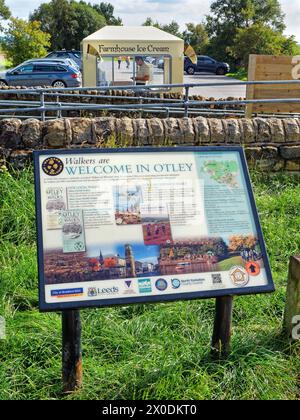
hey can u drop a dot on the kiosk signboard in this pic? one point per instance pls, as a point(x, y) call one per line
point(118, 226)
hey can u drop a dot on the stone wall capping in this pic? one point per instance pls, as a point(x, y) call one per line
point(270, 144)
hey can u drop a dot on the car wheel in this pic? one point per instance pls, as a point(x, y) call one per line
point(221, 71)
point(190, 71)
point(59, 84)
point(3, 83)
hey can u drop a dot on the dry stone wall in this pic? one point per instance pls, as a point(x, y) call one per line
point(270, 144)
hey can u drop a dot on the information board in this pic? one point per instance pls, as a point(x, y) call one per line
point(118, 226)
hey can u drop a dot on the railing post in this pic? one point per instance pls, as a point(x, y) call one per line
point(186, 101)
point(42, 100)
point(58, 112)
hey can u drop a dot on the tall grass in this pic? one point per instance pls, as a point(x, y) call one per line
point(147, 351)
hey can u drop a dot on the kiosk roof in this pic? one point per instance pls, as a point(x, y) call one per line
point(132, 33)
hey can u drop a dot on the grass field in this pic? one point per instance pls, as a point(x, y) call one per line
point(157, 351)
point(229, 263)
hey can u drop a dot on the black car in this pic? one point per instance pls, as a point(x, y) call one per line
point(205, 64)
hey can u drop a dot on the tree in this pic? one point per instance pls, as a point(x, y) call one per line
point(261, 39)
point(240, 242)
point(24, 40)
point(196, 36)
point(107, 10)
point(86, 20)
point(4, 11)
point(68, 22)
point(172, 28)
point(228, 16)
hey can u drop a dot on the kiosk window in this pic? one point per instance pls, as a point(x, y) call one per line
point(134, 70)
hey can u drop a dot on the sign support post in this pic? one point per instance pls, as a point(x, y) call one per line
point(71, 351)
point(221, 340)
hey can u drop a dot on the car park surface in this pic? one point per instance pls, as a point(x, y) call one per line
point(213, 91)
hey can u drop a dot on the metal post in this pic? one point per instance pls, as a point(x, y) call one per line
point(221, 340)
point(186, 102)
point(71, 351)
point(58, 112)
point(42, 100)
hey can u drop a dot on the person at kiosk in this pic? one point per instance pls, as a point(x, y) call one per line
point(144, 73)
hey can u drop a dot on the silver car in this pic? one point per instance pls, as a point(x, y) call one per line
point(40, 73)
point(67, 61)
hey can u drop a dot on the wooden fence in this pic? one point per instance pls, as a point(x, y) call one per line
point(267, 67)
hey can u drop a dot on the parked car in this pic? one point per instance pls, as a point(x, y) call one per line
point(67, 61)
point(75, 55)
point(39, 73)
point(206, 64)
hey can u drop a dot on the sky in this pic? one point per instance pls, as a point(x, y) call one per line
point(183, 11)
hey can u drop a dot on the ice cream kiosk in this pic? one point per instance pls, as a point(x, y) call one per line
point(132, 55)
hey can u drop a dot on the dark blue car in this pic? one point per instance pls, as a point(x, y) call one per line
point(206, 64)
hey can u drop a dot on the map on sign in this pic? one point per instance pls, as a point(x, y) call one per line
point(127, 226)
point(223, 172)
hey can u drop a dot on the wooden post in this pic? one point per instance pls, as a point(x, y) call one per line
point(71, 351)
point(221, 340)
point(292, 308)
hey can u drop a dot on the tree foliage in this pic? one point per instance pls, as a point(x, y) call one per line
point(107, 10)
point(229, 17)
point(4, 11)
point(197, 37)
point(68, 21)
point(172, 28)
point(24, 40)
point(240, 242)
point(260, 39)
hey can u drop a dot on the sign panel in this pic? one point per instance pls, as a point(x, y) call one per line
point(118, 226)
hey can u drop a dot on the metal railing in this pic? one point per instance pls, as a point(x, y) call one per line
point(43, 108)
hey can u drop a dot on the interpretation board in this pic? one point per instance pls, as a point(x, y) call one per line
point(121, 226)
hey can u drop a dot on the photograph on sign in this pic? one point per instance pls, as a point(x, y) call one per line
point(141, 225)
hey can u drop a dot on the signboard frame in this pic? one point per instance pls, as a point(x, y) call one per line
point(51, 307)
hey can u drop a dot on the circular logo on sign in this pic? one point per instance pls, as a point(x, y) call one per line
point(175, 283)
point(53, 166)
point(161, 284)
point(253, 268)
point(239, 276)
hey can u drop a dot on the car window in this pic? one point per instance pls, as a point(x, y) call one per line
point(60, 68)
point(26, 69)
point(42, 68)
point(77, 55)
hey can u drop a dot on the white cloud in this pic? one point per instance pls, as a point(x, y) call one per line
point(183, 11)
